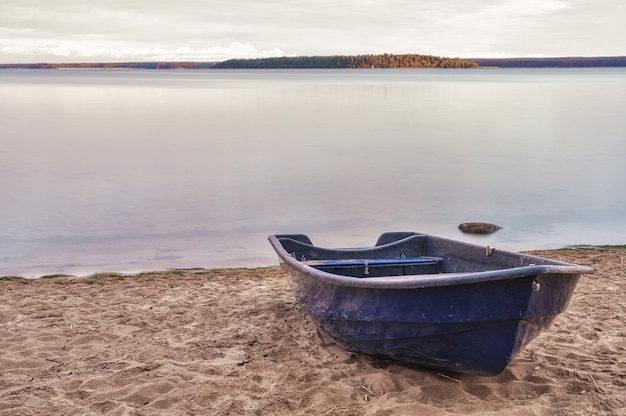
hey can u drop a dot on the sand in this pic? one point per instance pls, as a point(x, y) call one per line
point(234, 341)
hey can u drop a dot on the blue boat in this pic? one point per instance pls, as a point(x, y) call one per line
point(428, 300)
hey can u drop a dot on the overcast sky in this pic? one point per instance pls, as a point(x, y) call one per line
point(209, 30)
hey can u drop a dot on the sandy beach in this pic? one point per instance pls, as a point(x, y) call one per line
point(234, 341)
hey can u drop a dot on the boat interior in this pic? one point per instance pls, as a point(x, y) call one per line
point(395, 254)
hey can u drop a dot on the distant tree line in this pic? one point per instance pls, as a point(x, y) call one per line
point(115, 65)
point(567, 62)
point(350, 61)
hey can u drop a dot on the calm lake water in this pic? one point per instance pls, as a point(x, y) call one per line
point(139, 170)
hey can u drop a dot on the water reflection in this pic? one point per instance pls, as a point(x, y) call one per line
point(128, 170)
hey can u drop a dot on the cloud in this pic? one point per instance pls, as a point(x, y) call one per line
point(527, 7)
point(502, 28)
point(130, 31)
point(118, 51)
point(505, 12)
point(192, 30)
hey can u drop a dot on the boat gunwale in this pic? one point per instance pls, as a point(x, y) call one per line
point(418, 281)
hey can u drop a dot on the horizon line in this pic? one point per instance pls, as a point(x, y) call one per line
point(131, 62)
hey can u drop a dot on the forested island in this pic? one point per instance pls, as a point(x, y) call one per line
point(351, 62)
point(348, 62)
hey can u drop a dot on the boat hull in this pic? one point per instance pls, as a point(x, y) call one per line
point(474, 329)
point(470, 325)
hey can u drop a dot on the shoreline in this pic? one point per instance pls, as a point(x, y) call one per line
point(125, 269)
point(227, 265)
point(219, 341)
